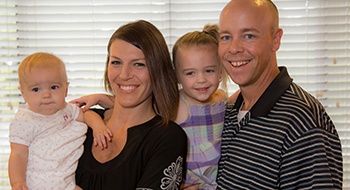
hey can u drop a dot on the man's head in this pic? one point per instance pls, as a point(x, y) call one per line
point(249, 39)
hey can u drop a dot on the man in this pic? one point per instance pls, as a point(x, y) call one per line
point(276, 135)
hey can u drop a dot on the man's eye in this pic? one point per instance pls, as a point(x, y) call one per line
point(249, 36)
point(225, 38)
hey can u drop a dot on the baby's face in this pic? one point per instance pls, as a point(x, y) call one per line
point(45, 90)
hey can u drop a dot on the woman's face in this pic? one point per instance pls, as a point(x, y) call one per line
point(128, 75)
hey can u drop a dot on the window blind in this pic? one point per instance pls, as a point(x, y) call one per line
point(8, 95)
point(315, 47)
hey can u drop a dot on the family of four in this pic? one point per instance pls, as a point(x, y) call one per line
point(169, 124)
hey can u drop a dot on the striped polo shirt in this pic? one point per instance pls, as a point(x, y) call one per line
point(286, 141)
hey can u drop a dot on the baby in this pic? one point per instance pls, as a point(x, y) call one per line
point(46, 134)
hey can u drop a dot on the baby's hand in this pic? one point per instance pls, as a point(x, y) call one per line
point(86, 101)
point(101, 135)
point(19, 186)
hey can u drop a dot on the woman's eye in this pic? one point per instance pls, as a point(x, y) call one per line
point(115, 62)
point(140, 64)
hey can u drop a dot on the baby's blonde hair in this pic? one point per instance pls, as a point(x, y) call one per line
point(40, 60)
point(209, 36)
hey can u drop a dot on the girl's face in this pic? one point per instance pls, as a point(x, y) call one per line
point(128, 75)
point(198, 72)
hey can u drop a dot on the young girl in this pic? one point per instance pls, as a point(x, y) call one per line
point(201, 106)
point(46, 134)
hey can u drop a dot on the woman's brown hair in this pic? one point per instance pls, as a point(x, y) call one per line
point(149, 39)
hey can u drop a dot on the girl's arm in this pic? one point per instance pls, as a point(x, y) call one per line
point(17, 166)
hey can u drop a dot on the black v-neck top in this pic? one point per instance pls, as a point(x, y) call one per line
point(154, 157)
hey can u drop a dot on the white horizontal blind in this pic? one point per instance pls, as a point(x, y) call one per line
point(314, 47)
point(8, 93)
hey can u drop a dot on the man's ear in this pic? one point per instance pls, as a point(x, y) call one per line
point(277, 37)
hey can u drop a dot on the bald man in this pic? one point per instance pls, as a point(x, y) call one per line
point(276, 135)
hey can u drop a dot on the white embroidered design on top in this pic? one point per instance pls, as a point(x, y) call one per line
point(173, 175)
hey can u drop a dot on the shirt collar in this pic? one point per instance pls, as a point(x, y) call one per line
point(271, 95)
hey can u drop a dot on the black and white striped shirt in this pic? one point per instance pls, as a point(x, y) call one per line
point(286, 141)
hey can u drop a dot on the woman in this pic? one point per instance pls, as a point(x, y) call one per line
point(147, 150)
